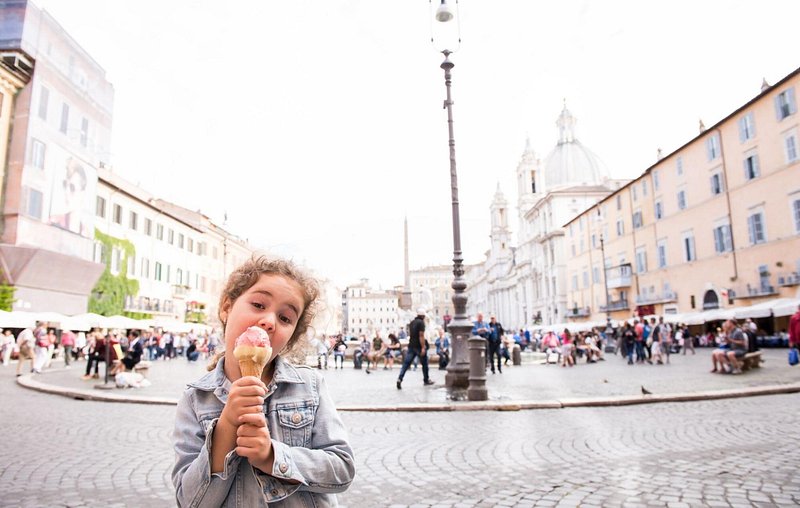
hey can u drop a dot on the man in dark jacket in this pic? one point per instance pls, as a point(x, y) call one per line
point(495, 339)
point(417, 348)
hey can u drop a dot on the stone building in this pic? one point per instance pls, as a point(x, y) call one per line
point(708, 229)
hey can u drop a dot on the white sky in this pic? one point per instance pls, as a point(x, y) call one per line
point(317, 125)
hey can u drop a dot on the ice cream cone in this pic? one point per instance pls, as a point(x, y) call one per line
point(252, 351)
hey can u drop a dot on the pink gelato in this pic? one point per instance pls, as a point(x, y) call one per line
point(253, 336)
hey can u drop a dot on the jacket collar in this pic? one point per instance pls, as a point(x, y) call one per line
point(284, 373)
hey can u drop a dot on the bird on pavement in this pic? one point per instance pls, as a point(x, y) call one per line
point(645, 392)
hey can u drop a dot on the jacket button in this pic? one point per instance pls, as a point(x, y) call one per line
point(283, 467)
point(274, 492)
point(297, 418)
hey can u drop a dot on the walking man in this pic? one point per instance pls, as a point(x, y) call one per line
point(481, 329)
point(417, 348)
point(496, 333)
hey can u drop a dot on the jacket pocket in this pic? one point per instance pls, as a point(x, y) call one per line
point(296, 421)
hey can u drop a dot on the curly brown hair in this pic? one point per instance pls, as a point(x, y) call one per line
point(246, 276)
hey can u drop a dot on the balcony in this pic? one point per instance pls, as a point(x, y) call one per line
point(788, 279)
point(180, 291)
point(148, 305)
point(579, 312)
point(615, 305)
point(663, 297)
point(619, 276)
point(758, 291)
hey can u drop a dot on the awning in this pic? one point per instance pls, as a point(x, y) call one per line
point(762, 309)
point(786, 308)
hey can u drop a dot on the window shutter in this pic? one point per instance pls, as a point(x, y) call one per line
point(742, 130)
point(790, 100)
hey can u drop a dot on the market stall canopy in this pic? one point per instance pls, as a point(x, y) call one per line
point(786, 308)
point(763, 309)
point(17, 319)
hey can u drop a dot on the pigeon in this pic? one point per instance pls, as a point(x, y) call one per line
point(645, 392)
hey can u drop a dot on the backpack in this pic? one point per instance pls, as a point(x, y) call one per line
point(752, 346)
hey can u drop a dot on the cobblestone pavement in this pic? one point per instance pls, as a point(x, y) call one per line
point(612, 378)
point(55, 451)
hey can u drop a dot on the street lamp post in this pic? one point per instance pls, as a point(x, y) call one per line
point(458, 378)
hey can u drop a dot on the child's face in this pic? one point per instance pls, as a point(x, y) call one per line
point(274, 303)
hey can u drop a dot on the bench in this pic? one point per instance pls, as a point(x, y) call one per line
point(143, 368)
point(751, 361)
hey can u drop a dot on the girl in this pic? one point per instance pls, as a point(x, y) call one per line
point(567, 349)
point(245, 441)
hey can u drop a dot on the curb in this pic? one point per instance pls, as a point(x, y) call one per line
point(27, 381)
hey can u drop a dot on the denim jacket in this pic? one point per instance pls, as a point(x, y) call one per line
point(313, 459)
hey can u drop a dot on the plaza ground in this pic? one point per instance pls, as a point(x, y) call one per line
point(58, 451)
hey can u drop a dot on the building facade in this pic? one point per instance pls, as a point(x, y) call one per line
point(713, 225)
point(179, 258)
point(525, 285)
point(366, 310)
point(61, 133)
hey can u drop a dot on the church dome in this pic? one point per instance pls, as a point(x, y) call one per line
point(570, 163)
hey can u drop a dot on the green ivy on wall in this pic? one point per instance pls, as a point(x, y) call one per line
point(108, 295)
point(6, 297)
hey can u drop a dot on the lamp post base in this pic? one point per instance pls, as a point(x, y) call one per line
point(457, 378)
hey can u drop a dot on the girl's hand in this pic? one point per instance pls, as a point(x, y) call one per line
point(254, 442)
point(245, 398)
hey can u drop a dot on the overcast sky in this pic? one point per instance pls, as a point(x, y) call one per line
point(318, 125)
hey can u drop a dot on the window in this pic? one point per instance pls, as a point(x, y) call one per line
point(619, 202)
point(689, 253)
point(641, 260)
point(148, 227)
point(100, 207)
point(656, 180)
point(661, 251)
point(134, 220)
point(131, 266)
point(84, 132)
point(179, 277)
point(790, 143)
point(722, 239)
point(167, 274)
point(747, 129)
point(64, 118)
point(716, 183)
point(751, 167)
point(33, 203)
point(180, 240)
point(159, 231)
point(796, 213)
point(712, 147)
point(145, 271)
point(170, 237)
point(116, 260)
point(97, 253)
point(635, 193)
point(620, 227)
point(681, 200)
point(755, 226)
point(644, 187)
point(784, 104)
point(659, 210)
point(157, 272)
point(572, 249)
point(586, 278)
point(637, 219)
point(594, 241)
point(574, 282)
point(118, 214)
point(37, 153)
point(679, 166)
point(189, 244)
point(44, 98)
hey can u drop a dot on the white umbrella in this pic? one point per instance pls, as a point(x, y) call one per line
point(17, 319)
point(92, 320)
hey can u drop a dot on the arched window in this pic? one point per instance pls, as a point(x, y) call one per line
point(710, 300)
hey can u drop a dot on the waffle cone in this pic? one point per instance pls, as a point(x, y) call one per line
point(251, 368)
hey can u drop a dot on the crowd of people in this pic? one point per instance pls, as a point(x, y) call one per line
point(39, 346)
